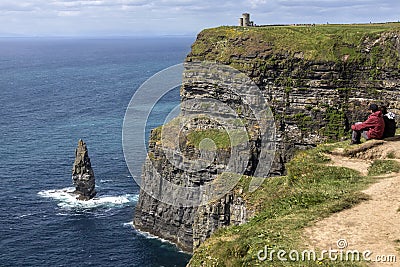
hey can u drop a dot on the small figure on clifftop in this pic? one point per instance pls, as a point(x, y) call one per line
point(82, 173)
point(372, 128)
point(390, 122)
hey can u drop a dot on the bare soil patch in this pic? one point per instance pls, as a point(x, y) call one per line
point(373, 225)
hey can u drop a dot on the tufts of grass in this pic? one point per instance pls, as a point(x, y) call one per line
point(391, 155)
point(209, 139)
point(205, 139)
point(380, 167)
point(284, 206)
point(320, 43)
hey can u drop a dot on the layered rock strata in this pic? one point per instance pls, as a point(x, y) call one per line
point(317, 80)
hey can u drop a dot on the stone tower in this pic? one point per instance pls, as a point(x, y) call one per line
point(244, 21)
point(241, 22)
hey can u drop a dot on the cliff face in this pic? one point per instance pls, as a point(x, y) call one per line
point(317, 80)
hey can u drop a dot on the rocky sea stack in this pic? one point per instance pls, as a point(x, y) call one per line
point(82, 173)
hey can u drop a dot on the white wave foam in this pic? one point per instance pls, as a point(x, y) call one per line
point(129, 224)
point(150, 236)
point(105, 181)
point(67, 199)
point(145, 234)
point(25, 215)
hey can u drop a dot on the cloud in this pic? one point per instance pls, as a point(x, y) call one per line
point(326, 3)
point(97, 3)
point(73, 13)
point(16, 6)
point(322, 11)
point(179, 16)
point(257, 3)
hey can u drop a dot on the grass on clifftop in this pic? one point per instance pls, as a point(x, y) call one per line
point(284, 207)
point(319, 43)
point(380, 167)
point(209, 139)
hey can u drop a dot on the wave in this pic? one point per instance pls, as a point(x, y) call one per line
point(105, 181)
point(25, 215)
point(147, 235)
point(67, 199)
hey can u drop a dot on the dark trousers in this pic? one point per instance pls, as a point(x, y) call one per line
point(356, 136)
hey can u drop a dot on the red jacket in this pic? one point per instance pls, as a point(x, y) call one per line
point(375, 125)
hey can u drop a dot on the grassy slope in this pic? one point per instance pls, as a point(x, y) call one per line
point(318, 43)
point(208, 139)
point(312, 190)
point(284, 206)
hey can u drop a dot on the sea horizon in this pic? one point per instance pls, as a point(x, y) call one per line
point(56, 91)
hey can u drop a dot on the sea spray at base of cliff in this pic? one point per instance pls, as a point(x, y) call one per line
point(67, 200)
point(147, 235)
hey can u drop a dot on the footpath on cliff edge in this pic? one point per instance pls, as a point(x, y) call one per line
point(373, 224)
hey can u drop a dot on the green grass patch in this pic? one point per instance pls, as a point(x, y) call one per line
point(391, 155)
point(284, 206)
point(321, 42)
point(209, 139)
point(380, 167)
point(206, 139)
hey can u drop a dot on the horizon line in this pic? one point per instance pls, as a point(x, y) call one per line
point(105, 36)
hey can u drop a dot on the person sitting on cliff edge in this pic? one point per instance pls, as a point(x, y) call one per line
point(372, 128)
point(390, 122)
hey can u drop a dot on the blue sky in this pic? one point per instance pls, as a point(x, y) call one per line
point(176, 17)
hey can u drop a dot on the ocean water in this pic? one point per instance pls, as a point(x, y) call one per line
point(52, 93)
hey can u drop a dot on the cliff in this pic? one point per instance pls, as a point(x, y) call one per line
point(317, 81)
point(326, 197)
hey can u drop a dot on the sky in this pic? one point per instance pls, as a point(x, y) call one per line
point(177, 17)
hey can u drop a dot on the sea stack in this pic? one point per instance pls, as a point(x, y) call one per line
point(82, 173)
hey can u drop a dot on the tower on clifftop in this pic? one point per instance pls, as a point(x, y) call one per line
point(244, 21)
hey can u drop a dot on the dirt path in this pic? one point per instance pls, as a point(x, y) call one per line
point(373, 225)
point(355, 164)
